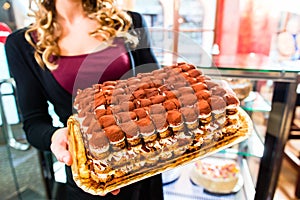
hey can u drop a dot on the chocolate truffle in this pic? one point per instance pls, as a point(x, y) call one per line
point(161, 125)
point(115, 135)
point(131, 131)
point(217, 105)
point(191, 80)
point(147, 129)
point(116, 109)
point(140, 103)
point(99, 112)
point(139, 94)
point(140, 112)
point(232, 103)
point(218, 91)
point(171, 104)
point(133, 81)
point(158, 99)
point(160, 121)
point(157, 109)
point(199, 87)
point(107, 120)
point(185, 90)
point(151, 92)
point(204, 113)
point(194, 73)
point(118, 91)
point(203, 107)
point(101, 100)
point(203, 78)
point(122, 98)
point(179, 84)
point(174, 94)
point(88, 118)
point(94, 126)
point(125, 116)
point(204, 94)
point(127, 106)
point(186, 67)
point(146, 126)
point(211, 84)
point(189, 114)
point(188, 100)
point(99, 145)
point(162, 76)
point(174, 118)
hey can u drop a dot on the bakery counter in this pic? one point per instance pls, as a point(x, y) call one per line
point(285, 76)
point(179, 185)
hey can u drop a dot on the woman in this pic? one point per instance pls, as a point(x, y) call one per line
point(46, 57)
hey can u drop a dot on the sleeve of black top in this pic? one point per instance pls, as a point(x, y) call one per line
point(37, 123)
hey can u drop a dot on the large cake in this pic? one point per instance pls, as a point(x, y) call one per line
point(128, 130)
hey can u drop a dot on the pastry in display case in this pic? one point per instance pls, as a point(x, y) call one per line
point(217, 175)
point(128, 130)
point(241, 87)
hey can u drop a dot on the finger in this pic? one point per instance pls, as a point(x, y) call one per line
point(115, 192)
point(59, 147)
point(61, 153)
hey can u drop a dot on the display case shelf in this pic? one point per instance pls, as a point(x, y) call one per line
point(255, 103)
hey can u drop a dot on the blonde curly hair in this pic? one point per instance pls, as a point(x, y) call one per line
point(112, 22)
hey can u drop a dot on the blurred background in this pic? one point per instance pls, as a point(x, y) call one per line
point(196, 31)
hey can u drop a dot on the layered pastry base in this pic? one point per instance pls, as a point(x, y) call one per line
point(216, 175)
point(128, 130)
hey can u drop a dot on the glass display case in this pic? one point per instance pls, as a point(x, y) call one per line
point(266, 149)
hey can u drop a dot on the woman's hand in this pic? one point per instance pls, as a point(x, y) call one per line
point(59, 146)
point(115, 192)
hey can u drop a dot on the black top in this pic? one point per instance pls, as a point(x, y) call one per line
point(36, 86)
